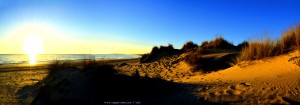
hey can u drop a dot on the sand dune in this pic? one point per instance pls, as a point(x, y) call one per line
point(263, 81)
point(268, 81)
point(274, 80)
point(169, 68)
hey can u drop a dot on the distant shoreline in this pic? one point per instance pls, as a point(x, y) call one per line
point(13, 59)
point(44, 65)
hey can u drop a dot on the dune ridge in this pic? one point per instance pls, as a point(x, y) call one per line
point(273, 80)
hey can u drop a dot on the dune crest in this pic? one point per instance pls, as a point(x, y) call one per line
point(267, 81)
point(274, 80)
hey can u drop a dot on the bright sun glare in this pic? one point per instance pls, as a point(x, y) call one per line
point(32, 46)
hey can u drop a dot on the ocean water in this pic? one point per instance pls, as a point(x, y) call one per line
point(25, 58)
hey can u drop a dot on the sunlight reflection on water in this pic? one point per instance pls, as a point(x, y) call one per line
point(39, 58)
point(32, 59)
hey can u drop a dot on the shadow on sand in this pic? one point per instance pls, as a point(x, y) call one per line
point(101, 84)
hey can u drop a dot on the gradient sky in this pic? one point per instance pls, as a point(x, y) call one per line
point(135, 26)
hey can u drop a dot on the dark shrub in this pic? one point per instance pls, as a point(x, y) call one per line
point(158, 53)
point(204, 44)
point(56, 66)
point(218, 43)
point(144, 57)
point(207, 64)
point(189, 45)
point(155, 49)
point(221, 43)
point(123, 64)
point(242, 45)
point(194, 57)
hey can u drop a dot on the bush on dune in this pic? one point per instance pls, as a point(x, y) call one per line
point(198, 62)
point(195, 58)
point(57, 66)
point(188, 46)
point(204, 44)
point(158, 53)
point(256, 50)
point(208, 64)
point(219, 43)
point(242, 45)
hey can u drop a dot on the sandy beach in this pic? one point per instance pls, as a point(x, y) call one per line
point(18, 81)
point(268, 81)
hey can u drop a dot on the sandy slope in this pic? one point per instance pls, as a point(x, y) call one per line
point(268, 81)
point(169, 68)
point(12, 81)
point(272, 80)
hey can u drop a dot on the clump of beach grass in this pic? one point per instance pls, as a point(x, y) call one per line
point(256, 50)
point(295, 60)
point(159, 52)
point(188, 46)
point(217, 43)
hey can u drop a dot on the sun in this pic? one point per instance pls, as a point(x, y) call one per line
point(32, 46)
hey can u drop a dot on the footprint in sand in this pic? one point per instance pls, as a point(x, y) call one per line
point(237, 89)
point(234, 92)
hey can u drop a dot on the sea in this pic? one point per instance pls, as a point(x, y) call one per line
point(42, 58)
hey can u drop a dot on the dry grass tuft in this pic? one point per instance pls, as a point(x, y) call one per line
point(57, 66)
point(242, 45)
point(158, 53)
point(219, 43)
point(188, 46)
point(296, 60)
point(256, 50)
point(195, 58)
point(208, 64)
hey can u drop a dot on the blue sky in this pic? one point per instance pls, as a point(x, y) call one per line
point(146, 23)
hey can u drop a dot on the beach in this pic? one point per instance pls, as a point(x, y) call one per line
point(17, 81)
point(269, 81)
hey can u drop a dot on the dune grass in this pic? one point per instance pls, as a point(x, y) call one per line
point(208, 64)
point(219, 43)
point(159, 52)
point(188, 46)
point(256, 50)
point(295, 60)
point(242, 45)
